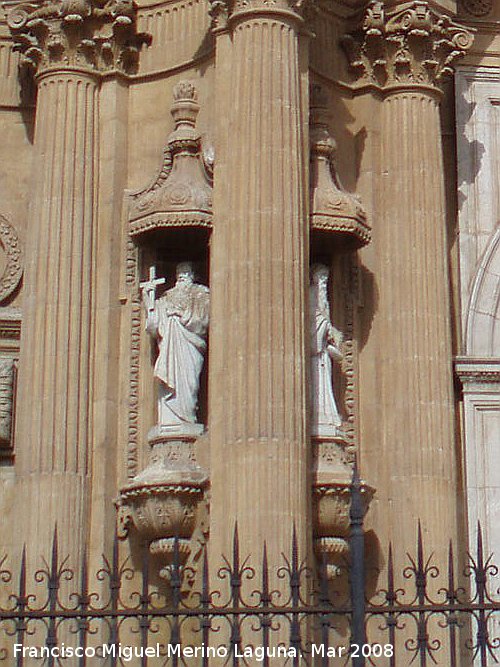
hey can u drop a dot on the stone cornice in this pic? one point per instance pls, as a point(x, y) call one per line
point(413, 46)
point(471, 370)
point(85, 34)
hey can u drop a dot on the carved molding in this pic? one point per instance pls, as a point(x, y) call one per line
point(90, 34)
point(10, 329)
point(12, 274)
point(181, 194)
point(132, 281)
point(7, 375)
point(477, 8)
point(350, 287)
point(414, 45)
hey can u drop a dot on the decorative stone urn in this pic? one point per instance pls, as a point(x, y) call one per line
point(162, 501)
point(332, 477)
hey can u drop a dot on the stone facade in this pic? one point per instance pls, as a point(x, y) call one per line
point(252, 139)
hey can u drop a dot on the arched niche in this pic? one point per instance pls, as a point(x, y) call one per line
point(482, 336)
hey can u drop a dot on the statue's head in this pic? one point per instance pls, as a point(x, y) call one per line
point(184, 272)
point(319, 274)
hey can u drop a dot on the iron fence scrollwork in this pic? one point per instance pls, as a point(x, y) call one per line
point(250, 610)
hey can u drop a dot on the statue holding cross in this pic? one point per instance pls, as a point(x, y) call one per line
point(178, 321)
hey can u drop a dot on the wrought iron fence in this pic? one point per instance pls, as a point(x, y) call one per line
point(256, 613)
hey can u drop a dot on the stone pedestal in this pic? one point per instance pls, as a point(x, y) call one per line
point(162, 500)
point(332, 478)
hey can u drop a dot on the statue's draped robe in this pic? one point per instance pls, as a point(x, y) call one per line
point(183, 313)
point(324, 343)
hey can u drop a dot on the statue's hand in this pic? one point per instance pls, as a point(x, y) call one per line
point(172, 311)
point(148, 300)
point(334, 352)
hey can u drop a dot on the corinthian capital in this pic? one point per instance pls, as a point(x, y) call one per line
point(98, 35)
point(414, 45)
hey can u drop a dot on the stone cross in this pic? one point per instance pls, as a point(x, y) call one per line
point(149, 288)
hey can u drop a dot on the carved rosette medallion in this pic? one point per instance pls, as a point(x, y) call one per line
point(414, 45)
point(181, 194)
point(477, 8)
point(13, 271)
point(77, 33)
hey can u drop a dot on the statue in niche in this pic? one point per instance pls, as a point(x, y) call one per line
point(178, 320)
point(325, 344)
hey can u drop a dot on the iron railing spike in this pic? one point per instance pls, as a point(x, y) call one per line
point(84, 571)
point(55, 549)
point(420, 548)
point(205, 599)
point(390, 576)
point(451, 566)
point(295, 551)
point(236, 549)
point(480, 553)
point(22, 573)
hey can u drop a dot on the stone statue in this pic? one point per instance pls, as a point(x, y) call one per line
point(325, 342)
point(178, 320)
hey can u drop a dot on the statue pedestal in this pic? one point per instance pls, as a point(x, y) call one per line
point(181, 432)
point(162, 500)
point(332, 476)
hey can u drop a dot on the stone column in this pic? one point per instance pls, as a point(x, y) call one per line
point(61, 46)
point(259, 270)
point(403, 56)
point(56, 370)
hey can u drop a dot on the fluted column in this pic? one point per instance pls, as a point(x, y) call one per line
point(403, 56)
point(414, 365)
point(54, 425)
point(55, 373)
point(259, 260)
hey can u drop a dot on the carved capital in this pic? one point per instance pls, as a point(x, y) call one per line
point(411, 46)
point(90, 34)
point(222, 10)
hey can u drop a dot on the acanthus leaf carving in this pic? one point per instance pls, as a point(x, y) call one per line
point(414, 45)
point(91, 34)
